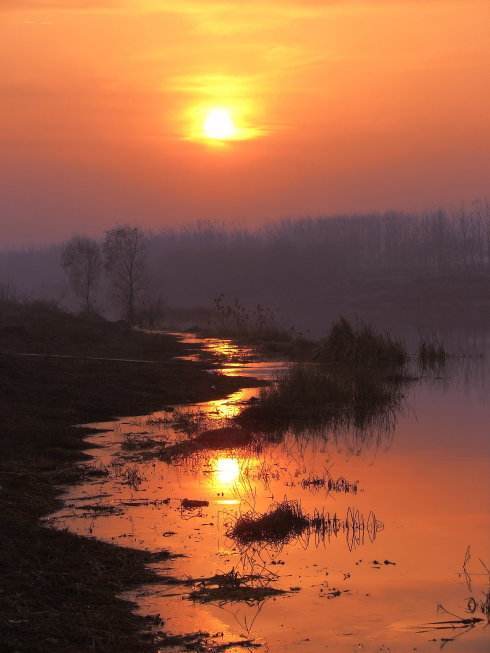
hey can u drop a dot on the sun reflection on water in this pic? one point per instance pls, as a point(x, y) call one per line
point(229, 407)
point(226, 470)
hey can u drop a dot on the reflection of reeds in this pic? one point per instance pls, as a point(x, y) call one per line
point(286, 521)
point(431, 355)
point(189, 421)
point(139, 442)
point(186, 420)
point(355, 526)
point(225, 438)
point(473, 604)
point(338, 485)
point(128, 474)
point(456, 625)
point(311, 396)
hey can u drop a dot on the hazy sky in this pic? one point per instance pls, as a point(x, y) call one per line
point(334, 106)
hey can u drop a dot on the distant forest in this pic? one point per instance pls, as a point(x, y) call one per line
point(401, 271)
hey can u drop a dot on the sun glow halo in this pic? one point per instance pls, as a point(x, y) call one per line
point(219, 125)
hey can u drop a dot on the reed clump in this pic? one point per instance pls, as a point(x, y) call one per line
point(233, 319)
point(361, 347)
point(281, 523)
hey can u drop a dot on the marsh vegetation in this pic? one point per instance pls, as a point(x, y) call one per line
point(259, 490)
point(355, 381)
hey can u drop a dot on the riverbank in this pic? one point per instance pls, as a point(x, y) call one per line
point(58, 592)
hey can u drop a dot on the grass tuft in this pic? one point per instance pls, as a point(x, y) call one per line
point(280, 524)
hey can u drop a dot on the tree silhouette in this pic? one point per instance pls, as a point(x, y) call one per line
point(81, 260)
point(125, 263)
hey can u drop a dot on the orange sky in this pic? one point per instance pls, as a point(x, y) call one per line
point(341, 106)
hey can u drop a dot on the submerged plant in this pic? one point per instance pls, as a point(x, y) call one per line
point(232, 587)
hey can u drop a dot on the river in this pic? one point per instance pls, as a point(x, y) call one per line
point(408, 507)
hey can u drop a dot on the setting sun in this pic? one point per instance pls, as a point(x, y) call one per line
point(219, 125)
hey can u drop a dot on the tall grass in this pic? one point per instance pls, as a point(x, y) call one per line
point(257, 325)
point(232, 318)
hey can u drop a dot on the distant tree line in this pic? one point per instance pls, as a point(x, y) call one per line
point(396, 243)
point(321, 267)
point(316, 267)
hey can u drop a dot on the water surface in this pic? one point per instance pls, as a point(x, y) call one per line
point(420, 495)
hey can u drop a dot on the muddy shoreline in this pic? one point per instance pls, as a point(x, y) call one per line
point(58, 591)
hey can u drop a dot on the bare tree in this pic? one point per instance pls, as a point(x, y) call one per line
point(81, 260)
point(125, 262)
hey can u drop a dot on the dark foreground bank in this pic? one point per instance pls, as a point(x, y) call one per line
point(58, 591)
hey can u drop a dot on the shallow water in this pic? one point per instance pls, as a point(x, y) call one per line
point(420, 496)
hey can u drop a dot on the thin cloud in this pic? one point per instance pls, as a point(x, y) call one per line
point(63, 5)
point(192, 7)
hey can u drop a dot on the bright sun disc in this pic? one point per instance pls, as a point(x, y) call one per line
point(219, 125)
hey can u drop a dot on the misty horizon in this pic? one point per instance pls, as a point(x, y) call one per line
point(239, 226)
point(389, 269)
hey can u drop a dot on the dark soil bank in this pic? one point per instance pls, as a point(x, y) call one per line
point(58, 591)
